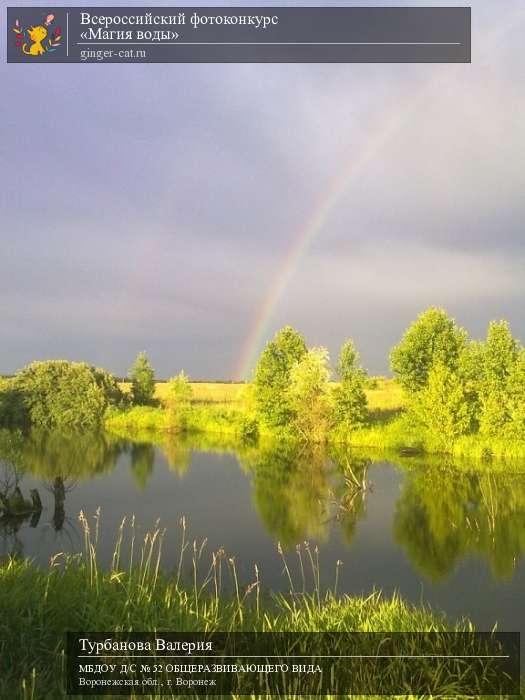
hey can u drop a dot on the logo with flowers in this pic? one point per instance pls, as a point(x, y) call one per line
point(38, 39)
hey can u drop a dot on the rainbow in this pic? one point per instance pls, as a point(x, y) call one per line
point(259, 331)
point(378, 140)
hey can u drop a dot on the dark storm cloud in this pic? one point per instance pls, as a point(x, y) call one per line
point(151, 206)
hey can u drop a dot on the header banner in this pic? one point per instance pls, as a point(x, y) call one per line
point(238, 35)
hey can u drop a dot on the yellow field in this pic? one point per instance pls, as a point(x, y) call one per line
point(208, 392)
point(387, 397)
point(202, 392)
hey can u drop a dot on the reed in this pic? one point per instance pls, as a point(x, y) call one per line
point(75, 593)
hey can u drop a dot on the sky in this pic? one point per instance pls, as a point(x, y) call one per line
point(153, 207)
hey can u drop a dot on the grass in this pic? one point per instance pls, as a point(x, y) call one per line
point(489, 449)
point(38, 606)
point(221, 419)
point(399, 437)
point(396, 434)
point(137, 418)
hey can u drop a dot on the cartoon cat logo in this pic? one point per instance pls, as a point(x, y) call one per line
point(32, 41)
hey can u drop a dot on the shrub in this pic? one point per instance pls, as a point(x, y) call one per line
point(66, 394)
point(142, 378)
point(12, 409)
point(177, 401)
point(309, 395)
point(248, 428)
point(442, 408)
point(349, 398)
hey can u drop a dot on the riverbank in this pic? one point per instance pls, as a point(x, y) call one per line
point(38, 606)
point(388, 431)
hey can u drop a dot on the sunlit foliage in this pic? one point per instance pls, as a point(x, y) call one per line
point(350, 403)
point(309, 394)
point(177, 401)
point(272, 377)
point(142, 378)
point(57, 393)
point(433, 337)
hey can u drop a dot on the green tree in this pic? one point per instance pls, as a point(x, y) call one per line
point(350, 403)
point(470, 365)
point(499, 380)
point(500, 352)
point(12, 409)
point(516, 399)
point(272, 377)
point(434, 337)
point(177, 401)
point(310, 394)
point(60, 393)
point(142, 378)
point(442, 407)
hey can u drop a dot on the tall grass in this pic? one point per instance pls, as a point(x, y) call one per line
point(215, 419)
point(489, 450)
point(204, 593)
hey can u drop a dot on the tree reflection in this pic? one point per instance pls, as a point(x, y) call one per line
point(47, 455)
point(443, 516)
point(15, 510)
point(299, 492)
point(142, 461)
point(59, 460)
point(178, 455)
point(59, 496)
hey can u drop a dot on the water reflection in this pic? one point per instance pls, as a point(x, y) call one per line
point(50, 454)
point(440, 517)
point(142, 461)
point(300, 493)
point(58, 461)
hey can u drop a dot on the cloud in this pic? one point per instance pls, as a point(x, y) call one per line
point(152, 206)
point(396, 275)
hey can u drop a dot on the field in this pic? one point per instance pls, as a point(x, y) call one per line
point(202, 392)
point(208, 392)
point(385, 396)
